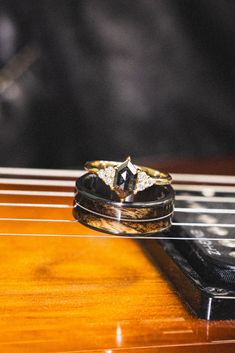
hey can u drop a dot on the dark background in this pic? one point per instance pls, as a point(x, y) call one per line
point(102, 79)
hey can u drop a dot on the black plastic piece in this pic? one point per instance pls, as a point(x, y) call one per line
point(207, 301)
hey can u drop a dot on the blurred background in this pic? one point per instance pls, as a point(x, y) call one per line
point(102, 79)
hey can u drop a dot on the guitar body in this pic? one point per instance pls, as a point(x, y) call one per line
point(67, 288)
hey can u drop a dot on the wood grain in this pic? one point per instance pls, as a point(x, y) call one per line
point(63, 294)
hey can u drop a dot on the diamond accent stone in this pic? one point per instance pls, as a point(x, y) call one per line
point(144, 181)
point(150, 181)
point(110, 171)
point(107, 175)
point(108, 181)
point(141, 186)
point(142, 176)
point(101, 173)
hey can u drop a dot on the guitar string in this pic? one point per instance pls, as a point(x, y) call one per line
point(205, 199)
point(206, 191)
point(71, 184)
point(65, 194)
point(177, 209)
point(221, 179)
point(176, 224)
point(229, 199)
point(113, 236)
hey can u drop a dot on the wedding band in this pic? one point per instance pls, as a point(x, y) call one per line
point(147, 213)
point(125, 178)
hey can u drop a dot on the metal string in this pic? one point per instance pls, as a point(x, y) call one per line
point(177, 209)
point(211, 199)
point(113, 236)
point(71, 184)
point(177, 177)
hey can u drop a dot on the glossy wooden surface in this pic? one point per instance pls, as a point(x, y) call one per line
point(97, 294)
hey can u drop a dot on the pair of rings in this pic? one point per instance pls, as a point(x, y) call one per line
point(124, 198)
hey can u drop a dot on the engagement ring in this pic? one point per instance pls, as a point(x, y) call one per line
point(127, 178)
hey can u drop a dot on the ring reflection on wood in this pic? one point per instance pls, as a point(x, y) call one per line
point(147, 212)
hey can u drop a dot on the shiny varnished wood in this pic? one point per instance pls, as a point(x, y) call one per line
point(97, 294)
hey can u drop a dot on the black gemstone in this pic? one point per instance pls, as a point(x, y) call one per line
point(125, 179)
